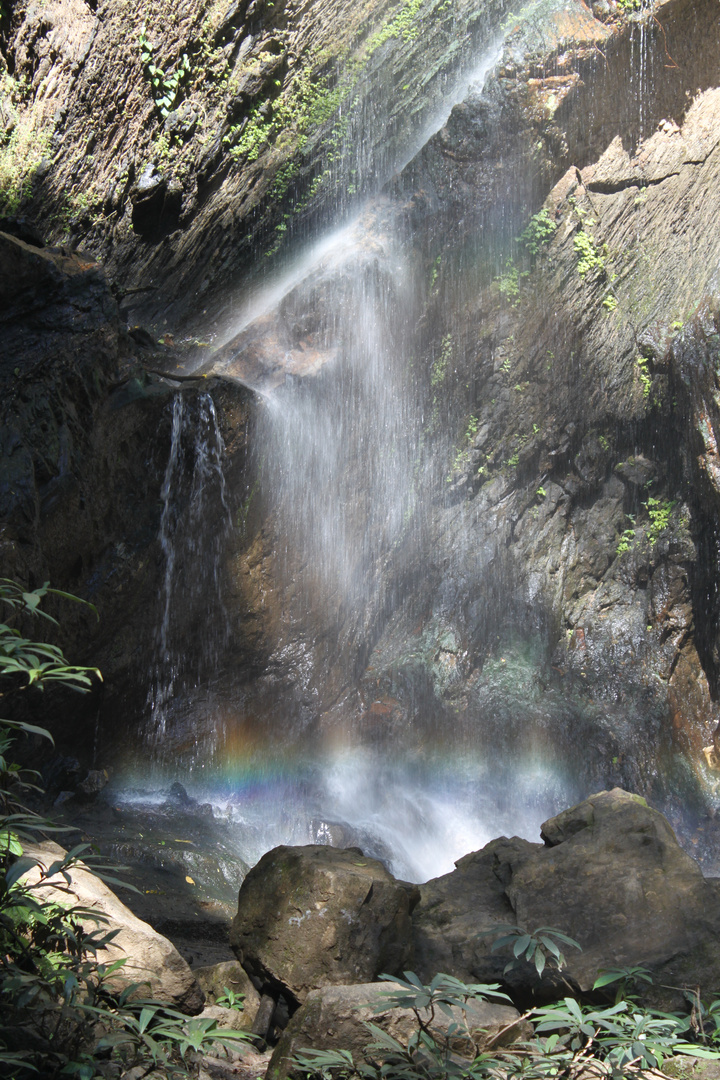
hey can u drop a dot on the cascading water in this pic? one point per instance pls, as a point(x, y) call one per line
point(402, 702)
point(194, 481)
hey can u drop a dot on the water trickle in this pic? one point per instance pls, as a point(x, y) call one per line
point(194, 482)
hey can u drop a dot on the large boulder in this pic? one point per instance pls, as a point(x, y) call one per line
point(454, 922)
point(335, 1018)
point(611, 874)
point(149, 957)
point(315, 916)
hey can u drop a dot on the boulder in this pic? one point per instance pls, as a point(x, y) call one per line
point(315, 916)
point(149, 957)
point(456, 910)
point(611, 874)
point(334, 1018)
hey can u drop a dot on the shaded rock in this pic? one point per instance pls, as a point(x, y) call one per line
point(218, 979)
point(313, 916)
point(334, 1018)
point(611, 875)
point(150, 958)
point(616, 879)
point(455, 909)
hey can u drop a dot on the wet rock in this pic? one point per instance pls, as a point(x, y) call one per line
point(335, 1018)
point(148, 956)
point(93, 784)
point(315, 916)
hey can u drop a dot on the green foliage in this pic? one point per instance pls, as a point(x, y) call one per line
point(439, 369)
point(610, 302)
point(538, 946)
point(644, 375)
point(230, 1000)
point(659, 512)
point(629, 6)
point(589, 255)
point(509, 283)
point(435, 271)
point(569, 1039)
point(61, 1014)
point(627, 537)
point(625, 979)
point(401, 26)
point(166, 86)
point(537, 232)
point(22, 148)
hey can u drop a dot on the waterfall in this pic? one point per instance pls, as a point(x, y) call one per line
point(404, 695)
point(193, 484)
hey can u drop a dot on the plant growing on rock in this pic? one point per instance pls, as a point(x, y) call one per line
point(538, 946)
point(538, 232)
point(165, 86)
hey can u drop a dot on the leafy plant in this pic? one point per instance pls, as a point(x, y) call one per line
point(165, 86)
point(589, 255)
point(625, 980)
point(230, 1000)
point(537, 946)
point(659, 512)
point(569, 1039)
point(627, 537)
point(644, 375)
point(538, 231)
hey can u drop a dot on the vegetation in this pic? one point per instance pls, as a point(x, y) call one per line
point(644, 375)
point(537, 232)
point(166, 87)
point(22, 148)
point(627, 537)
point(570, 1038)
point(659, 512)
point(62, 1013)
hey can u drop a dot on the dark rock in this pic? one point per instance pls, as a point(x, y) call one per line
point(611, 875)
point(217, 979)
point(93, 784)
point(315, 916)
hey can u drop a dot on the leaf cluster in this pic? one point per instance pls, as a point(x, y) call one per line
point(570, 1039)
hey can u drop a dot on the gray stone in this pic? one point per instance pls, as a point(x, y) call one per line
point(315, 916)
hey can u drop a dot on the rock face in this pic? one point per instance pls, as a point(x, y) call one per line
point(315, 916)
point(611, 875)
point(85, 438)
point(334, 1018)
point(150, 958)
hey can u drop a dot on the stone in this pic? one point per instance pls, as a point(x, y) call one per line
point(611, 875)
point(149, 957)
point(334, 1018)
point(315, 916)
point(614, 877)
point(217, 979)
point(456, 908)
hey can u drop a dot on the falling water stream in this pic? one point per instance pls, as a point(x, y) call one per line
point(348, 451)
